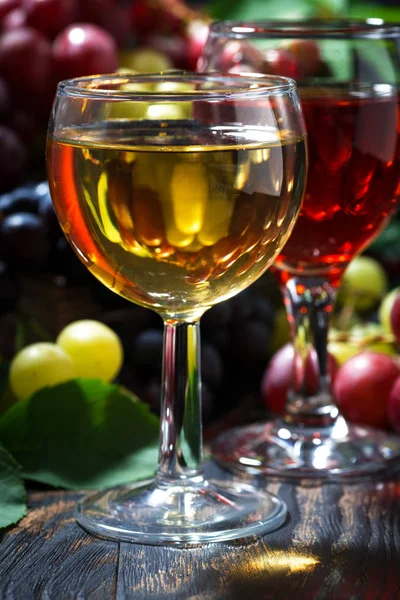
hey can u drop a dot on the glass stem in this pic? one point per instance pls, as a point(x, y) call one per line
point(309, 304)
point(180, 455)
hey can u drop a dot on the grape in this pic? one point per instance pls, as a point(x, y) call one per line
point(7, 6)
point(96, 351)
point(281, 62)
point(342, 351)
point(174, 47)
point(307, 55)
point(165, 112)
point(217, 317)
point(108, 14)
point(49, 16)
point(146, 60)
point(47, 212)
point(281, 330)
point(364, 281)
point(23, 199)
point(25, 62)
point(395, 318)
point(148, 349)
point(37, 366)
point(65, 262)
point(12, 158)
point(14, 20)
point(362, 387)
point(24, 123)
point(385, 309)
point(280, 376)
point(4, 99)
point(250, 342)
point(23, 240)
point(8, 290)
point(196, 35)
point(84, 49)
point(212, 370)
point(361, 333)
point(394, 405)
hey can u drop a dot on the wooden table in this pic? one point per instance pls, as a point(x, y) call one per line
point(340, 542)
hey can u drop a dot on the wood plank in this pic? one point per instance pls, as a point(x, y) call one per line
point(49, 556)
point(339, 542)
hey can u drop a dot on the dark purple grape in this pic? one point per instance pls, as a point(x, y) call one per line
point(212, 370)
point(8, 289)
point(22, 200)
point(250, 343)
point(218, 316)
point(264, 311)
point(147, 350)
point(12, 158)
point(4, 99)
point(23, 241)
point(47, 212)
point(65, 262)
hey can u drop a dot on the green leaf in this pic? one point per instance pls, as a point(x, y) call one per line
point(12, 490)
point(82, 434)
point(276, 9)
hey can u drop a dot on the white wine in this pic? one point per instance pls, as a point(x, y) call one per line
point(175, 218)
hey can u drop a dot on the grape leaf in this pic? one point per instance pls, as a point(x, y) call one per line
point(276, 9)
point(12, 490)
point(82, 434)
point(6, 396)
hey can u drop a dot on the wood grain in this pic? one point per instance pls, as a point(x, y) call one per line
point(339, 542)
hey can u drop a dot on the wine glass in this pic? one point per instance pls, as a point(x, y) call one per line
point(177, 191)
point(347, 75)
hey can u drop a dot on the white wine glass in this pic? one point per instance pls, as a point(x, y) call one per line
point(177, 191)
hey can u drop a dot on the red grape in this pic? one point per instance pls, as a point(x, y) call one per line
point(280, 375)
point(7, 6)
point(25, 62)
point(394, 405)
point(27, 227)
point(112, 16)
point(362, 387)
point(4, 99)
point(12, 158)
point(282, 62)
point(49, 16)
point(308, 56)
point(14, 20)
point(395, 318)
point(24, 124)
point(196, 36)
point(84, 49)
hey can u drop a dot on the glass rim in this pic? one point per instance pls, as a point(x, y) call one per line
point(248, 85)
point(306, 28)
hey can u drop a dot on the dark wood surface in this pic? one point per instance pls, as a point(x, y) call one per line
point(339, 542)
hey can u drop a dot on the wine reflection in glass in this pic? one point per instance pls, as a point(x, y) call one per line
point(347, 75)
point(177, 214)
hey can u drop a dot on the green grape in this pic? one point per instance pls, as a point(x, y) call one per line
point(342, 351)
point(365, 335)
point(167, 112)
point(95, 349)
point(280, 332)
point(145, 60)
point(173, 86)
point(386, 308)
point(37, 366)
point(364, 283)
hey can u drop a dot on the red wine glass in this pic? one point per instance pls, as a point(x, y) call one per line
point(347, 75)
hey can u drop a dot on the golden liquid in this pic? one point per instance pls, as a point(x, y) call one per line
point(172, 222)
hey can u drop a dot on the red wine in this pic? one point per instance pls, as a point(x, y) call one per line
point(354, 170)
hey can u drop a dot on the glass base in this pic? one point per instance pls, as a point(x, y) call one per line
point(188, 512)
point(280, 449)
